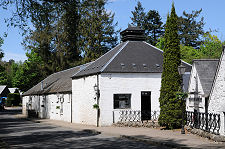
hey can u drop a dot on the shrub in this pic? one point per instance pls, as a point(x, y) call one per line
point(13, 99)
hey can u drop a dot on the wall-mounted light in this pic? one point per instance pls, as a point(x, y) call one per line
point(95, 87)
point(181, 69)
point(97, 92)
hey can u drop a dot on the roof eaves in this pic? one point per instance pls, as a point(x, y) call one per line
point(85, 75)
point(80, 66)
point(114, 57)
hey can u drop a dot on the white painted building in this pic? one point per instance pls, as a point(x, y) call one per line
point(52, 97)
point(217, 95)
point(127, 78)
point(200, 83)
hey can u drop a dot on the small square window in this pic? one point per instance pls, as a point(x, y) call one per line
point(122, 101)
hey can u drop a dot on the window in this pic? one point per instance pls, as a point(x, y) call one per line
point(122, 101)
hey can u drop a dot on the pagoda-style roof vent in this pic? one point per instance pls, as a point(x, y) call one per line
point(133, 33)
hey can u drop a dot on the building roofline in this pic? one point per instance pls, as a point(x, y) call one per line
point(114, 56)
point(205, 60)
point(162, 52)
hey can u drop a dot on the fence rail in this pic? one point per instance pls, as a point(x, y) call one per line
point(137, 115)
point(209, 122)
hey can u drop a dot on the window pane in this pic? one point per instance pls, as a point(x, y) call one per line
point(122, 101)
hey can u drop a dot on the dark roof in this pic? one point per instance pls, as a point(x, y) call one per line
point(133, 33)
point(206, 69)
point(129, 57)
point(56, 83)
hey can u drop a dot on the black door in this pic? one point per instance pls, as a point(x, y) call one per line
point(145, 105)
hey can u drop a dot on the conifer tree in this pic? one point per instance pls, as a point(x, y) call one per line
point(150, 22)
point(191, 28)
point(170, 109)
point(138, 18)
point(96, 29)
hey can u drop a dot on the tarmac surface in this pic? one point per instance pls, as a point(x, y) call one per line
point(18, 132)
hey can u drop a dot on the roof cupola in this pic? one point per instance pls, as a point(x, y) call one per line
point(133, 33)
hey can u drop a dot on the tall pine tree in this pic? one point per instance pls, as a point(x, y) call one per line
point(97, 30)
point(151, 22)
point(138, 18)
point(191, 28)
point(170, 109)
point(153, 26)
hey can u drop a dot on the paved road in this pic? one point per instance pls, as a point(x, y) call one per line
point(20, 133)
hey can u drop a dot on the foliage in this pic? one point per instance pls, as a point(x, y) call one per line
point(211, 47)
point(97, 33)
point(28, 73)
point(161, 43)
point(170, 109)
point(96, 106)
point(190, 29)
point(13, 99)
point(150, 22)
point(63, 34)
point(188, 53)
point(138, 15)
point(153, 26)
point(3, 75)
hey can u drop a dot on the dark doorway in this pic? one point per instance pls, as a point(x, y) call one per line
point(145, 105)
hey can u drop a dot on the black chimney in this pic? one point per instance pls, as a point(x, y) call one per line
point(133, 33)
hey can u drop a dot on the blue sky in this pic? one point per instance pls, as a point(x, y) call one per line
point(213, 13)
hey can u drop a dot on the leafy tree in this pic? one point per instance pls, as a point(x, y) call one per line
point(3, 75)
point(189, 53)
point(170, 106)
point(151, 22)
point(28, 73)
point(211, 47)
point(161, 43)
point(97, 33)
point(191, 30)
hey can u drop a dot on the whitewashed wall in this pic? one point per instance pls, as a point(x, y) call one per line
point(217, 95)
point(25, 100)
point(50, 106)
point(130, 83)
point(84, 97)
point(60, 108)
point(192, 104)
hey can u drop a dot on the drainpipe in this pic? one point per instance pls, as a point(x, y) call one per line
point(98, 95)
point(71, 108)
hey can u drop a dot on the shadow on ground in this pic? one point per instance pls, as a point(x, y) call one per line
point(20, 133)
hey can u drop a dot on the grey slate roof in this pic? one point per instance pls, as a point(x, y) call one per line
point(58, 82)
point(206, 69)
point(128, 57)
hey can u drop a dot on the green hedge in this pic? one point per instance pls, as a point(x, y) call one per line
point(13, 99)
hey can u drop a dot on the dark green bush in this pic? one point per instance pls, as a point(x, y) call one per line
point(13, 99)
